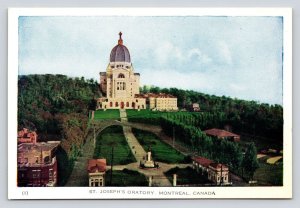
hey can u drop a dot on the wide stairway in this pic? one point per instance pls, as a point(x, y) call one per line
point(136, 149)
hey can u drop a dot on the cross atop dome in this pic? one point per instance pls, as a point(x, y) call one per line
point(120, 53)
point(120, 41)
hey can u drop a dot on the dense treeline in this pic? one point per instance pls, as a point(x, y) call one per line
point(240, 116)
point(56, 106)
point(223, 151)
point(219, 150)
point(187, 128)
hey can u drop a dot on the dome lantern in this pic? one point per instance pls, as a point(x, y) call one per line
point(120, 41)
point(120, 53)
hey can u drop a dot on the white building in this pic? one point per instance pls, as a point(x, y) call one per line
point(119, 82)
point(121, 85)
point(96, 171)
point(218, 174)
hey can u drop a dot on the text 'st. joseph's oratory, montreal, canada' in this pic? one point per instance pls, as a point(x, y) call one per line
point(121, 85)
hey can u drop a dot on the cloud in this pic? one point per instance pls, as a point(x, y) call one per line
point(196, 54)
point(170, 78)
point(237, 87)
point(224, 52)
point(167, 52)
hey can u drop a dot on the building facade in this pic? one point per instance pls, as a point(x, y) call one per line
point(218, 174)
point(160, 101)
point(194, 107)
point(27, 136)
point(37, 165)
point(120, 83)
point(96, 170)
point(201, 164)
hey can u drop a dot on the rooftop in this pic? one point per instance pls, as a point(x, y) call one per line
point(220, 133)
point(218, 166)
point(120, 52)
point(154, 95)
point(26, 133)
point(96, 165)
point(39, 146)
point(203, 161)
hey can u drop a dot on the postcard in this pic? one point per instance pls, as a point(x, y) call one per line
point(149, 103)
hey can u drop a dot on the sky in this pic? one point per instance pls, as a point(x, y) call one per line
point(239, 57)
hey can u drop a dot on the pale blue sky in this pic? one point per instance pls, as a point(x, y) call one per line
point(232, 56)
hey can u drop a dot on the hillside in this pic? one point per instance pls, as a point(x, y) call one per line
point(244, 117)
point(56, 106)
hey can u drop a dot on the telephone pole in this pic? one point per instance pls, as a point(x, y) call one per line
point(111, 164)
point(221, 182)
point(173, 136)
point(94, 136)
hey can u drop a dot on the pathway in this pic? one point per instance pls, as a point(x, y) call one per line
point(136, 148)
point(79, 175)
point(139, 153)
point(157, 174)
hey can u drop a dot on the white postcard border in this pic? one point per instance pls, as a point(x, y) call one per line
point(15, 192)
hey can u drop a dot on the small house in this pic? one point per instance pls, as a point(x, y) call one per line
point(96, 170)
point(222, 134)
point(218, 174)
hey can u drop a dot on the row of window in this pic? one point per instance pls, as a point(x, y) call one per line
point(127, 67)
point(97, 182)
point(218, 177)
point(122, 104)
point(121, 85)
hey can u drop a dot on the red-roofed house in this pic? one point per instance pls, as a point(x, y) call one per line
point(218, 173)
point(96, 170)
point(201, 163)
point(26, 136)
point(222, 134)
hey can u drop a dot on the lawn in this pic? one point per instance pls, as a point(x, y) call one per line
point(144, 116)
point(261, 143)
point(125, 178)
point(274, 160)
point(269, 175)
point(143, 113)
point(187, 176)
point(151, 117)
point(161, 151)
point(113, 136)
point(107, 114)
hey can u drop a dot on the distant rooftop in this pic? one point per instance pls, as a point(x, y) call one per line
point(220, 133)
point(154, 95)
point(218, 166)
point(203, 161)
point(96, 165)
point(39, 146)
point(27, 136)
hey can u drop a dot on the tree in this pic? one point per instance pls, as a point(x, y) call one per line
point(92, 104)
point(250, 163)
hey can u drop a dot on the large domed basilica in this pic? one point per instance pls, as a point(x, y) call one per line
point(119, 82)
point(121, 86)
